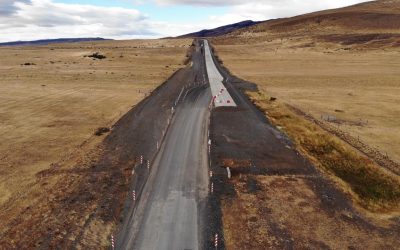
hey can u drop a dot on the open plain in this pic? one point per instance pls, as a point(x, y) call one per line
point(281, 134)
point(356, 90)
point(52, 101)
point(330, 82)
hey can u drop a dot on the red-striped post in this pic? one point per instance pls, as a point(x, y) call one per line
point(112, 242)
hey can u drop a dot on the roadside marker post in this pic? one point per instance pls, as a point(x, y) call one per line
point(216, 241)
point(112, 242)
point(134, 195)
point(141, 159)
point(148, 164)
point(212, 187)
point(228, 170)
point(211, 174)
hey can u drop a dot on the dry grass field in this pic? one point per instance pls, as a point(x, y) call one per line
point(357, 90)
point(341, 64)
point(53, 98)
point(338, 64)
point(335, 79)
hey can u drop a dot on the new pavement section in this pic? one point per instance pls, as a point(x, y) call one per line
point(221, 96)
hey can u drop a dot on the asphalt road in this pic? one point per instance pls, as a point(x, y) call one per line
point(170, 210)
point(221, 95)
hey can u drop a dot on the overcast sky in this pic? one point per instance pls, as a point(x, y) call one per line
point(127, 19)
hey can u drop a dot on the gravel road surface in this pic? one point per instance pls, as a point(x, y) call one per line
point(170, 211)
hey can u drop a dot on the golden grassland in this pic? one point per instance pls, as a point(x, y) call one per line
point(358, 89)
point(53, 98)
point(374, 187)
point(281, 211)
point(330, 73)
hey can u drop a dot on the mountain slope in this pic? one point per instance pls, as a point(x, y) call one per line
point(374, 24)
point(220, 30)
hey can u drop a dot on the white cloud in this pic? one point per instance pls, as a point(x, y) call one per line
point(270, 9)
point(43, 19)
point(259, 10)
point(288, 4)
point(199, 2)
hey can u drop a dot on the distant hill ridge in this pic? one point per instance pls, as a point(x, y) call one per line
point(49, 41)
point(220, 30)
point(373, 24)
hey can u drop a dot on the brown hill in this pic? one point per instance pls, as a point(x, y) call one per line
point(220, 30)
point(374, 24)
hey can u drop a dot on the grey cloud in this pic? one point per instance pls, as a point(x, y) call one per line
point(9, 7)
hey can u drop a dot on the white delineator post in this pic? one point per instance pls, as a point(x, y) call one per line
point(211, 174)
point(212, 187)
point(112, 242)
point(228, 170)
point(134, 195)
point(216, 241)
point(148, 164)
point(141, 159)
